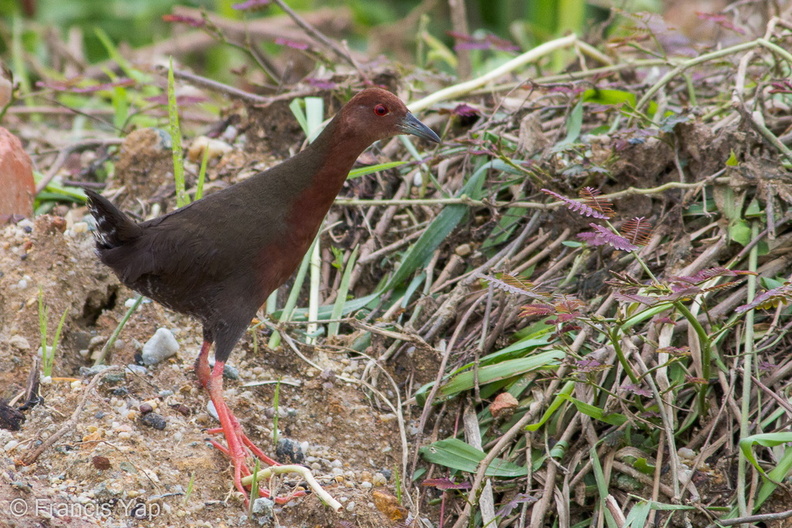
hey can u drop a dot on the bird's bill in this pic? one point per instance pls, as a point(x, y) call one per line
point(411, 125)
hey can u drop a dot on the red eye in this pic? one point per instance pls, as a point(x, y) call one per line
point(381, 110)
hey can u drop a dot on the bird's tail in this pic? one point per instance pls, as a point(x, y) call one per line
point(113, 228)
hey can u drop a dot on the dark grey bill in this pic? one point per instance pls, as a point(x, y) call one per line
point(411, 125)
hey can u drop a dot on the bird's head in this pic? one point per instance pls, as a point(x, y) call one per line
point(377, 114)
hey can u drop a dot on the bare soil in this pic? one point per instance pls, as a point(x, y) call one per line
point(112, 469)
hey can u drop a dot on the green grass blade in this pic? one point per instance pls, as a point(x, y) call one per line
point(365, 171)
point(602, 486)
point(296, 106)
point(764, 440)
point(775, 475)
point(182, 198)
point(47, 368)
point(202, 175)
point(291, 302)
point(559, 400)
point(314, 115)
point(343, 288)
point(110, 342)
point(116, 56)
point(499, 371)
point(616, 419)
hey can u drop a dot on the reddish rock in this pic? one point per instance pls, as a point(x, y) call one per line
point(504, 405)
point(16, 178)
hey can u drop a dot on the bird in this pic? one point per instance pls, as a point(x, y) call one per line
point(219, 258)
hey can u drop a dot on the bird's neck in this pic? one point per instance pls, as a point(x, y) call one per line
point(308, 183)
point(330, 158)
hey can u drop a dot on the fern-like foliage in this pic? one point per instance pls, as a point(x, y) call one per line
point(710, 273)
point(623, 280)
point(602, 236)
point(769, 299)
point(637, 230)
point(591, 197)
point(532, 310)
point(673, 289)
point(514, 285)
point(581, 208)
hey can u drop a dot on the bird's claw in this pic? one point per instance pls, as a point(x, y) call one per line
point(241, 449)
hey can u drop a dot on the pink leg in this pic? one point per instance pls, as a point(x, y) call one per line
point(236, 439)
point(202, 364)
point(229, 424)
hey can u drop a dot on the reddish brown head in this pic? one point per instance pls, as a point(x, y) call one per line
point(376, 114)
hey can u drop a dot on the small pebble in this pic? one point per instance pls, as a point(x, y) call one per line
point(19, 342)
point(154, 420)
point(160, 347)
point(137, 369)
point(379, 479)
point(92, 371)
point(289, 452)
point(366, 485)
point(230, 372)
point(262, 511)
point(146, 408)
point(129, 303)
point(686, 453)
point(181, 409)
point(463, 250)
point(101, 463)
point(202, 145)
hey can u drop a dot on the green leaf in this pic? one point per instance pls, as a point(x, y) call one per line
point(595, 412)
point(602, 485)
point(643, 465)
point(569, 386)
point(518, 349)
point(740, 232)
point(574, 124)
point(764, 440)
point(364, 171)
point(525, 344)
point(456, 454)
point(296, 106)
point(338, 306)
point(777, 474)
point(732, 161)
point(609, 97)
point(499, 371)
point(754, 210)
